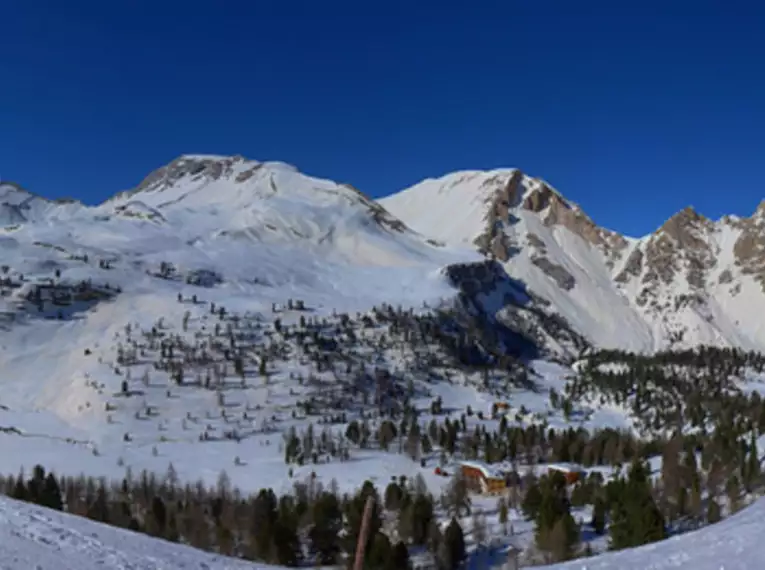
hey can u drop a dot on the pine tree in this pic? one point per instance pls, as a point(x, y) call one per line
point(457, 498)
point(263, 525)
point(752, 470)
point(380, 553)
point(159, 515)
point(713, 512)
point(51, 494)
point(555, 530)
point(20, 492)
point(635, 518)
point(452, 551)
point(323, 536)
point(503, 514)
point(532, 501)
point(286, 542)
point(99, 509)
point(598, 522)
point(421, 515)
point(562, 539)
point(399, 559)
point(393, 496)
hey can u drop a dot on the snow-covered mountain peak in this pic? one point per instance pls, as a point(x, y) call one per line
point(241, 199)
point(227, 204)
point(12, 193)
point(185, 167)
point(232, 181)
point(686, 283)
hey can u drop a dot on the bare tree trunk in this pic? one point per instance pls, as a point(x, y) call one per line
point(358, 563)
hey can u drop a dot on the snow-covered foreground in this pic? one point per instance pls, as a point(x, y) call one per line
point(733, 544)
point(36, 538)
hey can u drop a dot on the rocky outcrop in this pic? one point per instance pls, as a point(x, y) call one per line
point(245, 175)
point(494, 240)
point(481, 277)
point(209, 167)
point(558, 211)
point(556, 272)
point(541, 198)
point(749, 249)
point(488, 289)
point(725, 277)
point(536, 196)
point(683, 243)
point(536, 242)
point(632, 268)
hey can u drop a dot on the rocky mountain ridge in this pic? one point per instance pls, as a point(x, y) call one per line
point(692, 281)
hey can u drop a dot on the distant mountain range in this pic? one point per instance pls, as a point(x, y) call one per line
point(693, 281)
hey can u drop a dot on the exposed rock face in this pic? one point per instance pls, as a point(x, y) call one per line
point(536, 242)
point(632, 268)
point(557, 272)
point(247, 174)
point(487, 288)
point(682, 248)
point(749, 249)
point(8, 188)
point(475, 278)
point(562, 213)
point(541, 198)
point(494, 240)
point(536, 196)
point(725, 277)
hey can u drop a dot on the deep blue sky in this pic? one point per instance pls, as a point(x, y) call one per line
point(632, 109)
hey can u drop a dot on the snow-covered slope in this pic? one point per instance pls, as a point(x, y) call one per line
point(17, 206)
point(32, 537)
point(691, 282)
point(733, 544)
point(233, 202)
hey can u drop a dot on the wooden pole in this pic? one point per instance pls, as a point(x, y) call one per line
point(361, 545)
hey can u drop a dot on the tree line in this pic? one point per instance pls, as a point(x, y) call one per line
point(312, 526)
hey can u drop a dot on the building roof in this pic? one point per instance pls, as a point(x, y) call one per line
point(488, 471)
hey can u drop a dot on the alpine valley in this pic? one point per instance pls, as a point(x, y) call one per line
point(253, 328)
